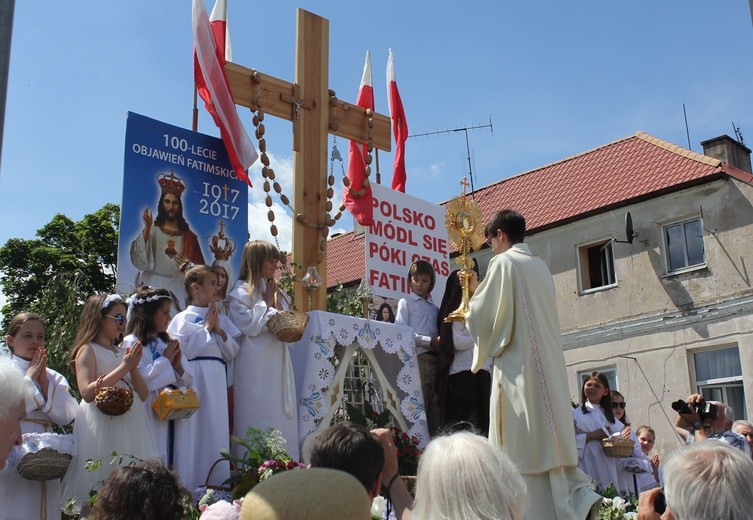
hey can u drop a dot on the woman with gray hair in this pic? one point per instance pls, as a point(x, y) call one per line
point(464, 476)
point(12, 407)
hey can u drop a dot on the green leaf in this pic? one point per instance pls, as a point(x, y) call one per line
point(342, 300)
point(229, 456)
point(355, 415)
point(383, 419)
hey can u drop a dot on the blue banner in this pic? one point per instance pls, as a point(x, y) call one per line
point(181, 202)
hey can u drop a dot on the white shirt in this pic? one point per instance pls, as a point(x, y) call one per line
point(421, 314)
point(463, 341)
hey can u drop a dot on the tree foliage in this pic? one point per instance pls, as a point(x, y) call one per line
point(55, 272)
point(343, 300)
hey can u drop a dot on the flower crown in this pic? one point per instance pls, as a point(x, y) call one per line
point(111, 298)
point(140, 301)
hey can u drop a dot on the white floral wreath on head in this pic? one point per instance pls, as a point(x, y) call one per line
point(111, 298)
point(133, 301)
point(141, 301)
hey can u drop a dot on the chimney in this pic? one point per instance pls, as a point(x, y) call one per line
point(728, 150)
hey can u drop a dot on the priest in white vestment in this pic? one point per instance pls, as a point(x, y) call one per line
point(513, 318)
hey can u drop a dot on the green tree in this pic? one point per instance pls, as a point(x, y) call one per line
point(343, 300)
point(54, 273)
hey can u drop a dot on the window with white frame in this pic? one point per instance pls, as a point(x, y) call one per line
point(718, 376)
point(683, 242)
point(609, 372)
point(596, 266)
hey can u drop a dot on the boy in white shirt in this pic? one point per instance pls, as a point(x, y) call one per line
point(417, 310)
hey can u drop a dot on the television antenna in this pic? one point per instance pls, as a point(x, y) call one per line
point(463, 129)
point(738, 134)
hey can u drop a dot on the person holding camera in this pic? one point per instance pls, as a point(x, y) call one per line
point(698, 419)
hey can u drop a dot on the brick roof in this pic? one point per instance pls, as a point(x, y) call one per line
point(615, 174)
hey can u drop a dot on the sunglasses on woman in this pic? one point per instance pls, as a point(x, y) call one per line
point(619, 405)
point(119, 318)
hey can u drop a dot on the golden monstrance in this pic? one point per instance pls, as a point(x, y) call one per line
point(465, 230)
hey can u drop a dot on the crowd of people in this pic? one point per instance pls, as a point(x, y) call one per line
point(523, 452)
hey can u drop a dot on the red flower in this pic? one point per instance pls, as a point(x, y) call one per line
point(407, 451)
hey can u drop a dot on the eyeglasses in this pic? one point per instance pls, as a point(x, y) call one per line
point(488, 239)
point(120, 318)
point(619, 405)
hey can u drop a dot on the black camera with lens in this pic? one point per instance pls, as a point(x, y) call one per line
point(706, 411)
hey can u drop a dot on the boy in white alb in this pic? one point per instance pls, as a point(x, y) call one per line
point(417, 310)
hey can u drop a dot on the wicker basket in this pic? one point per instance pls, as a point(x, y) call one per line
point(219, 492)
point(172, 404)
point(287, 326)
point(617, 447)
point(45, 464)
point(113, 400)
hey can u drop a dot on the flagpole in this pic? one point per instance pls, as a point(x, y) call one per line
point(195, 120)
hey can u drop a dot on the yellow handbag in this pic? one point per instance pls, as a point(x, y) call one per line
point(173, 403)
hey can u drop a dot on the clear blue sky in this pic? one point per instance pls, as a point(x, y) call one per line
point(556, 78)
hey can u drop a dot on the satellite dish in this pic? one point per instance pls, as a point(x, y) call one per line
point(630, 234)
point(629, 228)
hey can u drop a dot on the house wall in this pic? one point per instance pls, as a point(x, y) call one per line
point(643, 287)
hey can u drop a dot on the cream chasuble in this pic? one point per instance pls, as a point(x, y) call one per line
point(513, 318)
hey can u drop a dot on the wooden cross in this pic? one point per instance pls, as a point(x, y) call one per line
point(315, 113)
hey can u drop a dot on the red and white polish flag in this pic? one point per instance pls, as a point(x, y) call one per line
point(210, 53)
point(399, 126)
point(360, 207)
point(218, 21)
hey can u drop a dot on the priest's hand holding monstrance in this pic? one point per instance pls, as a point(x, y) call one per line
point(465, 230)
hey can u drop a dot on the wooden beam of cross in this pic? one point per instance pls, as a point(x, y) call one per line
point(315, 113)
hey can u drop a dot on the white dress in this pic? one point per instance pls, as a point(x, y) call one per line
point(199, 439)
point(263, 380)
point(637, 464)
point(591, 457)
point(29, 499)
point(158, 373)
point(97, 435)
